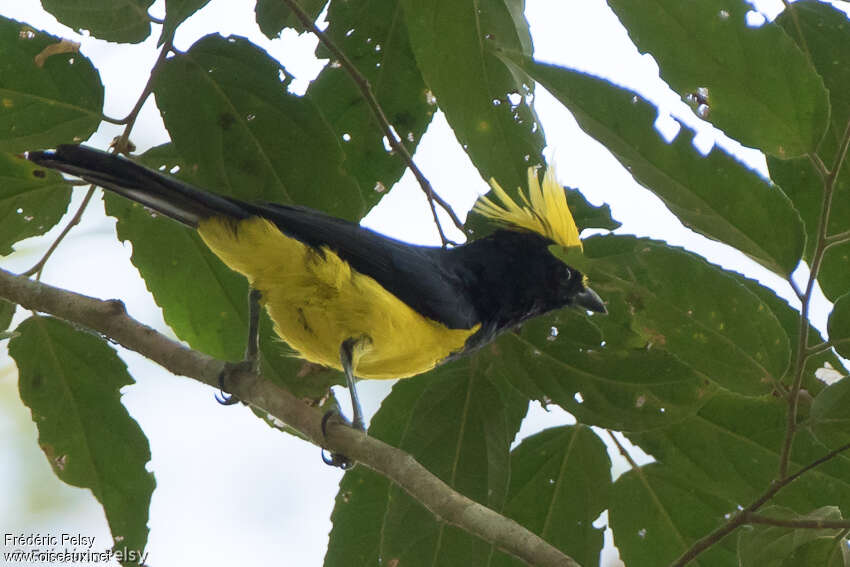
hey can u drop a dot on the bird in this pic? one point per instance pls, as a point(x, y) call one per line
point(344, 296)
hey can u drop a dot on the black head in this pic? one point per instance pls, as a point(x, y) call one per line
point(512, 276)
point(566, 286)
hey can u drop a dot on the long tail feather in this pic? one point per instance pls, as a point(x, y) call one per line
point(166, 195)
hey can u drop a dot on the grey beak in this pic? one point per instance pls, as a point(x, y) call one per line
point(590, 300)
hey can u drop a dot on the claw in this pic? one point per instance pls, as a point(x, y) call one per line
point(337, 460)
point(231, 368)
point(221, 396)
point(329, 457)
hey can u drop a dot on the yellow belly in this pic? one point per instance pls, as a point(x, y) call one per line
point(317, 301)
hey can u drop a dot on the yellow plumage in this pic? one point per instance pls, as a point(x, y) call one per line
point(545, 209)
point(317, 301)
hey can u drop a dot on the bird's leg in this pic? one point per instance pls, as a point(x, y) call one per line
point(251, 362)
point(346, 357)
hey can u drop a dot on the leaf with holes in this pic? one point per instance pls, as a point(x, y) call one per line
point(121, 21)
point(484, 102)
point(714, 195)
point(692, 309)
point(373, 35)
point(560, 484)
point(60, 101)
point(707, 51)
point(32, 200)
point(230, 118)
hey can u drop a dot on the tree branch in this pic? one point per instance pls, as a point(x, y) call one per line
point(110, 318)
point(366, 90)
point(797, 523)
point(803, 337)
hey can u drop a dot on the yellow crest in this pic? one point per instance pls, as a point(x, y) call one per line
point(544, 210)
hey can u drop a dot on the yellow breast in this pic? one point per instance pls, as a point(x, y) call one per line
point(317, 301)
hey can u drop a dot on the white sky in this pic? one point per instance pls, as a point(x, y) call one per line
point(230, 489)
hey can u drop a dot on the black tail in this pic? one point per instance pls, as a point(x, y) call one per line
point(166, 195)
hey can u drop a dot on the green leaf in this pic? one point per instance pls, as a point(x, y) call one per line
point(731, 449)
point(834, 275)
point(484, 102)
point(838, 325)
point(623, 389)
point(461, 430)
point(825, 551)
point(781, 109)
point(32, 200)
point(587, 215)
point(274, 15)
point(560, 483)
point(712, 464)
point(774, 546)
point(71, 382)
point(169, 257)
point(789, 318)
point(684, 305)
point(657, 515)
point(826, 38)
point(822, 31)
point(121, 21)
point(7, 311)
point(43, 106)
point(829, 417)
point(714, 195)
point(211, 311)
point(458, 422)
point(373, 35)
point(230, 118)
point(177, 12)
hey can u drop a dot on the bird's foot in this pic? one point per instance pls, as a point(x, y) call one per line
point(231, 370)
point(338, 459)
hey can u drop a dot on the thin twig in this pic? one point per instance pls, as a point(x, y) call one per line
point(818, 348)
point(797, 291)
point(39, 266)
point(740, 518)
point(797, 523)
point(623, 450)
point(803, 338)
point(839, 238)
point(841, 155)
point(110, 319)
point(795, 18)
point(116, 121)
point(395, 142)
point(120, 144)
point(819, 166)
